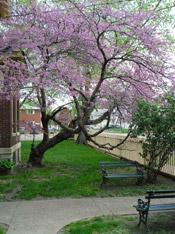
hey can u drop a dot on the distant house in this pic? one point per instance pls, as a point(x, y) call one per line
point(30, 116)
point(115, 121)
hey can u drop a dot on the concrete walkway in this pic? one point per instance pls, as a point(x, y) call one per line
point(49, 216)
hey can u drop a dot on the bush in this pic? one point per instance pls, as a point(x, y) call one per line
point(157, 123)
point(6, 165)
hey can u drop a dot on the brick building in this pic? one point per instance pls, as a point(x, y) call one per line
point(10, 146)
point(30, 116)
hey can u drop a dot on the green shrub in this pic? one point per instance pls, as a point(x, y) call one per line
point(157, 123)
point(5, 165)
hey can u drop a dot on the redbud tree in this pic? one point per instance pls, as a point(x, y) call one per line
point(94, 56)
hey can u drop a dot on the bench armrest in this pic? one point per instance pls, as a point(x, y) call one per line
point(142, 205)
point(104, 172)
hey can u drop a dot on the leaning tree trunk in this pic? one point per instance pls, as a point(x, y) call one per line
point(81, 139)
point(37, 153)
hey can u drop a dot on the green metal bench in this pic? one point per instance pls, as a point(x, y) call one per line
point(118, 164)
point(144, 207)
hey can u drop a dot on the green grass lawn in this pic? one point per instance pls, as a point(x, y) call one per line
point(70, 171)
point(117, 130)
point(159, 223)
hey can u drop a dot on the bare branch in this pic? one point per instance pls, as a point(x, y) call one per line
point(99, 120)
point(108, 146)
point(58, 109)
point(26, 97)
point(102, 129)
point(66, 128)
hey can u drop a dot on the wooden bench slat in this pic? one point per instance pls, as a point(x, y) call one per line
point(160, 191)
point(161, 196)
point(119, 165)
point(158, 207)
point(123, 175)
point(118, 162)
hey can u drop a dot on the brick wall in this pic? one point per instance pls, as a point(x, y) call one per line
point(5, 123)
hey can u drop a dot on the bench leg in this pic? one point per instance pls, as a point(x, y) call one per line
point(139, 180)
point(143, 218)
point(104, 181)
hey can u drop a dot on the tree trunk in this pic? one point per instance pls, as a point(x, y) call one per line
point(37, 153)
point(151, 176)
point(81, 139)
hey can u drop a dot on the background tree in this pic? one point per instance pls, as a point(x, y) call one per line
point(95, 56)
point(126, 69)
point(157, 123)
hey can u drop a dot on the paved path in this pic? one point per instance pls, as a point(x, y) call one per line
point(49, 216)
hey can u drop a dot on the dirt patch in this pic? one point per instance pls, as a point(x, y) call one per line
point(10, 196)
point(6, 181)
point(66, 168)
point(20, 168)
point(158, 222)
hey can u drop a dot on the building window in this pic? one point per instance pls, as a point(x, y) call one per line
point(30, 112)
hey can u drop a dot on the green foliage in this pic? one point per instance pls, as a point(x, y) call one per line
point(1, 231)
point(157, 123)
point(5, 164)
point(117, 130)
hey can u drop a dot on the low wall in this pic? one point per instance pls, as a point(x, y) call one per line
point(12, 154)
point(130, 149)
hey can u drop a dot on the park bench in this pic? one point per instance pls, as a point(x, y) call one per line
point(144, 207)
point(107, 174)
